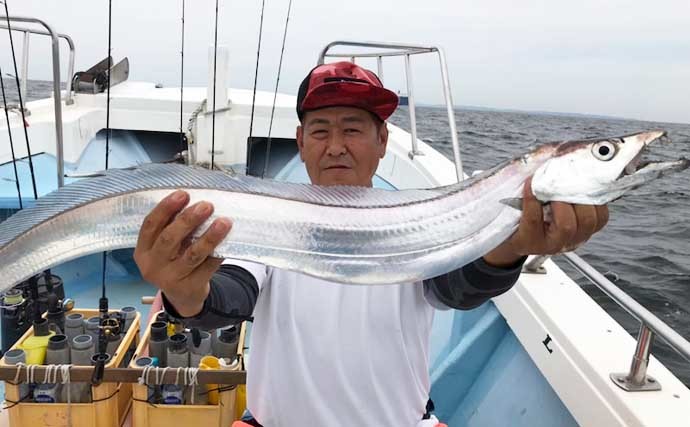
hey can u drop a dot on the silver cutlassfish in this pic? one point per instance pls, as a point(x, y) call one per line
point(345, 234)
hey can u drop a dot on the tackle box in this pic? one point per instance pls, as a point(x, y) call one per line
point(111, 400)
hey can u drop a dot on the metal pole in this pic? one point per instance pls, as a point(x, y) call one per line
point(70, 66)
point(673, 338)
point(59, 155)
point(70, 70)
point(25, 61)
point(410, 97)
point(57, 97)
point(536, 265)
point(451, 115)
point(379, 67)
point(640, 361)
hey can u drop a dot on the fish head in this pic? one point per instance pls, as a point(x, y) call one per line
point(597, 171)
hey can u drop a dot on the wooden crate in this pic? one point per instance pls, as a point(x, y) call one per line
point(152, 415)
point(108, 412)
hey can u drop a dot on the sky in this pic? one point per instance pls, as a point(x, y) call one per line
point(621, 58)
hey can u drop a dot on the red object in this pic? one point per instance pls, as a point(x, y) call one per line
point(348, 85)
point(240, 424)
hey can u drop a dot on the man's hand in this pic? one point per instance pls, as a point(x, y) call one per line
point(570, 226)
point(167, 259)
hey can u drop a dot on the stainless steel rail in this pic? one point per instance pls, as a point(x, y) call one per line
point(25, 58)
point(635, 379)
point(406, 50)
point(57, 97)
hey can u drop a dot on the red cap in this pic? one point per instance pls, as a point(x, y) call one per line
point(345, 84)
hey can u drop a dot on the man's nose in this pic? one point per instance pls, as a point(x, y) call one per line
point(336, 145)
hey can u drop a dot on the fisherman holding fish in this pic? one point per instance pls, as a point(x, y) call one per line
point(325, 353)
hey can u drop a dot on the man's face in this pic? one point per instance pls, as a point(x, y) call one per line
point(341, 145)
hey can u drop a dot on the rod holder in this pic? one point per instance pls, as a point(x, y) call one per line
point(637, 379)
point(536, 265)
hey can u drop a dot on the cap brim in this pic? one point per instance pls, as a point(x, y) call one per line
point(377, 100)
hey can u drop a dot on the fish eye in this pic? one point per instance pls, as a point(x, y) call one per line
point(604, 150)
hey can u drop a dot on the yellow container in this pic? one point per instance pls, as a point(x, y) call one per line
point(145, 414)
point(211, 362)
point(111, 400)
point(35, 348)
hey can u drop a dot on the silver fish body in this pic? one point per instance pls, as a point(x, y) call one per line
point(345, 234)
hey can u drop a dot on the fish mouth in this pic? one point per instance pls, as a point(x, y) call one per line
point(640, 166)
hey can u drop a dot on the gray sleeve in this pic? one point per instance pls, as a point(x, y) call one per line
point(472, 285)
point(231, 300)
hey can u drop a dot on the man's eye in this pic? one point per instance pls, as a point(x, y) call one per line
point(319, 132)
point(351, 130)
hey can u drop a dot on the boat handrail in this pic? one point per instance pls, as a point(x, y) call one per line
point(406, 50)
point(57, 97)
point(25, 58)
point(650, 326)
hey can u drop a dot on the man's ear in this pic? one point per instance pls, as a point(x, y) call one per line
point(383, 138)
point(299, 136)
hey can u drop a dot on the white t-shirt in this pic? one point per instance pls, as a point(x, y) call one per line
point(327, 354)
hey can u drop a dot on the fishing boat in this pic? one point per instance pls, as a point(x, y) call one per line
point(543, 354)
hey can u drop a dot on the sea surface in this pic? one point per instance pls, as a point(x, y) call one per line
point(645, 248)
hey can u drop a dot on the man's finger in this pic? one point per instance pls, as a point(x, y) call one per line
point(203, 248)
point(204, 272)
point(602, 216)
point(159, 217)
point(169, 240)
point(531, 226)
point(587, 222)
point(561, 233)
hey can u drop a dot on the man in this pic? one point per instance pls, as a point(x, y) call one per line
point(324, 353)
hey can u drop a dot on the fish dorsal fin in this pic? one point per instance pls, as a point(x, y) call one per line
point(175, 176)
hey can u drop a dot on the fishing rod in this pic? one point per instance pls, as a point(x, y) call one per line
point(110, 324)
point(182, 134)
point(213, 107)
point(275, 93)
point(256, 76)
point(9, 131)
point(21, 101)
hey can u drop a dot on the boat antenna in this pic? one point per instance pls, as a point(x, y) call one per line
point(275, 93)
point(9, 130)
point(182, 136)
point(256, 76)
point(213, 106)
point(21, 101)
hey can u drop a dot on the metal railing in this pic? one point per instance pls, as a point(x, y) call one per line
point(636, 379)
point(406, 50)
point(25, 58)
point(57, 96)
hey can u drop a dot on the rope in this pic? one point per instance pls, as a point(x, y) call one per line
point(21, 102)
point(192, 373)
point(107, 398)
point(9, 130)
point(256, 76)
point(64, 370)
point(19, 370)
point(275, 93)
point(213, 106)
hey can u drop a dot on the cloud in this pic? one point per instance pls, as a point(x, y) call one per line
point(615, 57)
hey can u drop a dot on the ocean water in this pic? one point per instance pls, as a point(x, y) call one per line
point(646, 245)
